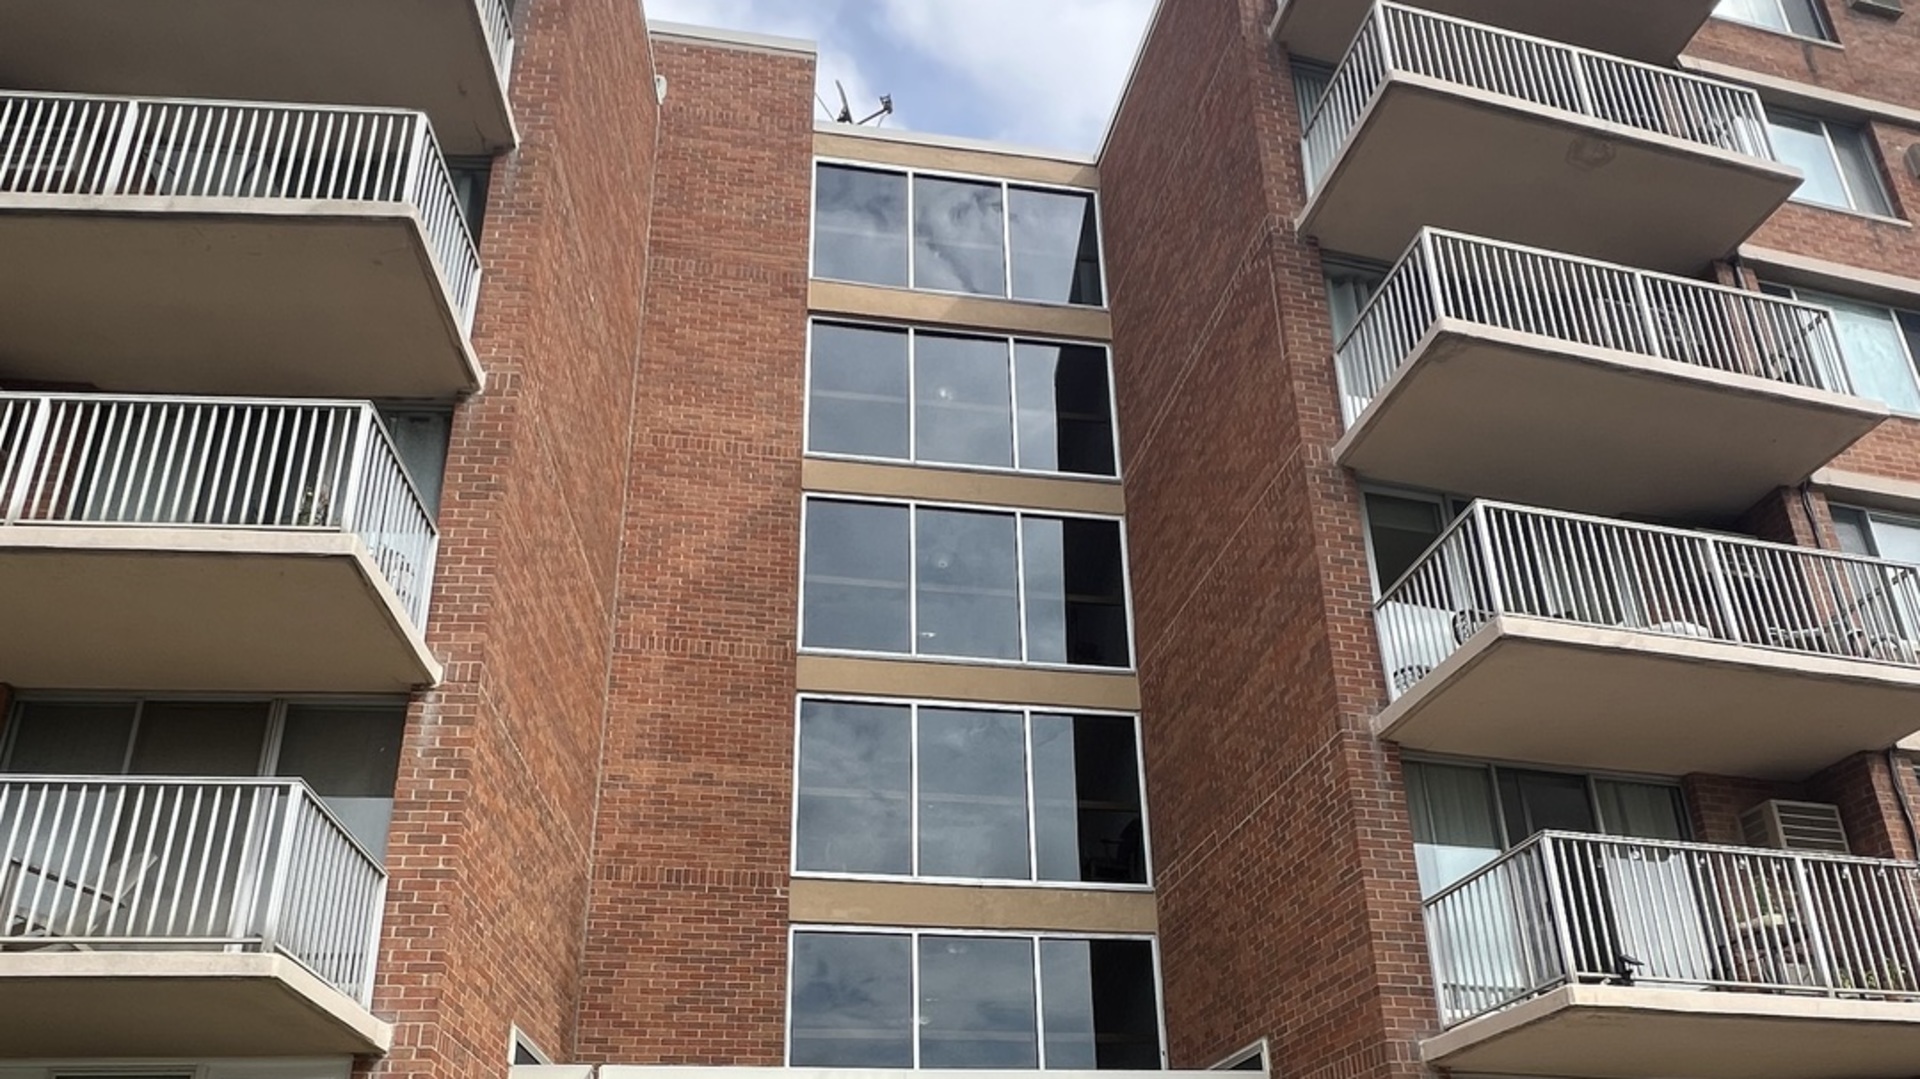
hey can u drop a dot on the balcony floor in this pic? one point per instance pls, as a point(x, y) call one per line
point(429, 55)
point(1651, 30)
point(237, 297)
point(1528, 419)
point(158, 609)
point(1435, 153)
point(176, 1004)
point(1616, 1032)
point(1622, 700)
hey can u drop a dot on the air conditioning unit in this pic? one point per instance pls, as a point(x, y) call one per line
point(1809, 827)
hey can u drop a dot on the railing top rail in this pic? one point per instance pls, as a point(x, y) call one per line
point(185, 399)
point(1492, 506)
point(1583, 260)
point(1507, 857)
point(219, 103)
point(1360, 35)
point(293, 784)
point(1446, 535)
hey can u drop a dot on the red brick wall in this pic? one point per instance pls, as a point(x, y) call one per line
point(1868, 794)
point(1715, 803)
point(495, 805)
point(1288, 905)
point(686, 948)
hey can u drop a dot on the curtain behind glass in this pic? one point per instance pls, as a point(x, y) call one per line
point(1455, 830)
point(1876, 357)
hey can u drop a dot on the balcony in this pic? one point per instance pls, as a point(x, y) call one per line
point(447, 58)
point(1434, 121)
point(1536, 377)
point(1602, 958)
point(1532, 635)
point(183, 918)
point(1651, 30)
point(159, 544)
point(205, 247)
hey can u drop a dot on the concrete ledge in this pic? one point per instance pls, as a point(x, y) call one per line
point(933, 309)
point(819, 901)
point(932, 483)
point(1117, 691)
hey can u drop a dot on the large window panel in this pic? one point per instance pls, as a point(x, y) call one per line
point(860, 225)
point(1875, 350)
point(959, 236)
point(855, 589)
point(963, 407)
point(854, 788)
point(1055, 246)
point(973, 794)
point(858, 391)
point(1787, 16)
point(964, 584)
point(1838, 160)
point(1066, 409)
point(852, 1001)
point(983, 1000)
point(942, 791)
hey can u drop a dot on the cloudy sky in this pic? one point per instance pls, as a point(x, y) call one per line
point(1037, 72)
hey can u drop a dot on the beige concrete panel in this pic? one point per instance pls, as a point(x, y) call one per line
point(1865, 489)
point(1119, 692)
point(232, 297)
point(949, 155)
point(1618, 699)
point(1651, 30)
point(823, 476)
point(726, 38)
point(177, 1004)
point(948, 906)
point(1794, 268)
point(1620, 1032)
point(432, 57)
point(682, 1071)
point(1529, 419)
point(960, 312)
point(202, 610)
point(1435, 153)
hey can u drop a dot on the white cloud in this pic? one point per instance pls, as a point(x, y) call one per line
point(1048, 71)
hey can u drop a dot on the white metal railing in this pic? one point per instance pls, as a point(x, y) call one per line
point(62, 144)
point(1452, 276)
point(1499, 559)
point(1403, 40)
point(497, 18)
point(217, 463)
point(115, 863)
point(1564, 908)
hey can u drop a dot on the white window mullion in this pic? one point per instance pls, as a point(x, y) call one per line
point(1020, 577)
point(913, 946)
point(913, 579)
point(913, 785)
point(1040, 1008)
point(1033, 808)
point(1839, 166)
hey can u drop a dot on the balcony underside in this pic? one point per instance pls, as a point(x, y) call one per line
point(429, 55)
point(1651, 30)
point(1433, 153)
point(1615, 1032)
point(158, 609)
point(176, 1004)
point(1525, 418)
point(1626, 700)
point(238, 297)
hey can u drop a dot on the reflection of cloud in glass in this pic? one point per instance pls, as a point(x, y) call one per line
point(852, 1000)
point(1055, 256)
point(857, 391)
point(1066, 982)
point(1044, 544)
point(969, 600)
point(860, 226)
point(973, 794)
point(964, 402)
point(855, 587)
point(977, 1003)
point(959, 237)
point(854, 779)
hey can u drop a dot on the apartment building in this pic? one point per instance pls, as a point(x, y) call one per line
point(522, 548)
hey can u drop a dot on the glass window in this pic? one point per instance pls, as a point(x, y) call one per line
point(855, 588)
point(860, 225)
point(350, 756)
point(980, 237)
point(857, 391)
point(963, 400)
point(973, 573)
point(1878, 346)
point(1399, 531)
point(951, 399)
point(199, 738)
point(979, 1002)
point(55, 738)
point(1800, 17)
point(1838, 161)
point(852, 1001)
point(420, 438)
point(959, 236)
point(1056, 246)
point(864, 767)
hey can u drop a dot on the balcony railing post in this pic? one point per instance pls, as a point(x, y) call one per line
point(365, 430)
point(29, 460)
point(1428, 254)
point(1723, 603)
point(1562, 927)
point(371, 956)
point(277, 862)
point(1648, 324)
point(1583, 88)
point(1489, 564)
point(115, 176)
point(1816, 937)
point(1383, 14)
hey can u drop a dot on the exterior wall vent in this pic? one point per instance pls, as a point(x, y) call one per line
point(1886, 9)
point(1807, 827)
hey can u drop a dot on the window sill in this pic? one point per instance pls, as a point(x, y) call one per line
point(964, 661)
point(1788, 34)
point(980, 470)
point(1045, 305)
point(1848, 211)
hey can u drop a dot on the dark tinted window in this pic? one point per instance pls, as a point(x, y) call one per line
point(1056, 247)
point(1076, 592)
point(852, 1001)
point(855, 590)
point(855, 788)
point(1087, 822)
point(1066, 408)
point(857, 392)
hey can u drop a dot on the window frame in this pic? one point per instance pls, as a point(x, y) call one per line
point(1817, 296)
point(1828, 36)
point(915, 704)
point(1493, 767)
point(913, 934)
point(1019, 514)
point(1867, 142)
point(1006, 185)
point(913, 332)
point(1452, 508)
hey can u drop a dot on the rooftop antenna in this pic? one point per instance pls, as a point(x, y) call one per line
point(845, 113)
